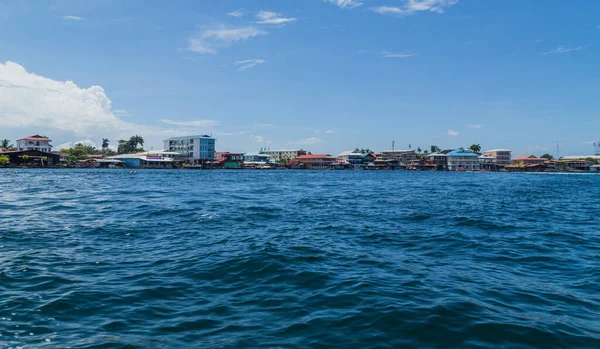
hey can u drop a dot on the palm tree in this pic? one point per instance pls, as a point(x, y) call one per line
point(5, 144)
point(476, 148)
point(105, 143)
point(435, 149)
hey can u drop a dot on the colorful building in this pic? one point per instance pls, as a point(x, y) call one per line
point(315, 162)
point(502, 156)
point(462, 160)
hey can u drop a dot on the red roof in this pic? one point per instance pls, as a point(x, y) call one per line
point(314, 156)
point(527, 157)
point(222, 153)
point(34, 138)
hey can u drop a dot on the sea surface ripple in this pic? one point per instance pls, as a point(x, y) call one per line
point(298, 259)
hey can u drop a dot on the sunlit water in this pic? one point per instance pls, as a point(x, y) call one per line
point(292, 259)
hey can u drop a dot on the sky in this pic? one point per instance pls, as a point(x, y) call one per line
point(322, 75)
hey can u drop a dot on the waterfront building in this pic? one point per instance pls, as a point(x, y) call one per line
point(527, 160)
point(32, 157)
point(462, 160)
point(402, 156)
point(158, 159)
point(257, 157)
point(502, 156)
point(577, 165)
point(437, 159)
point(581, 157)
point(368, 158)
point(351, 157)
point(195, 150)
point(229, 160)
point(488, 162)
point(284, 154)
point(315, 162)
point(37, 142)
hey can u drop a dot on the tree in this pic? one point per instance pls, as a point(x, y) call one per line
point(4, 160)
point(5, 144)
point(475, 148)
point(105, 143)
point(547, 156)
point(435, 149)
point(418, 149)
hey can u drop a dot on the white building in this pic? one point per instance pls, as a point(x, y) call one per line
point(462, 160)
point(193, 149)
point(284, 154)
point(36, 142)
point(351, 157)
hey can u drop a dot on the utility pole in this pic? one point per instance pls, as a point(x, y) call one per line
point(557, 150)
point(393, 145)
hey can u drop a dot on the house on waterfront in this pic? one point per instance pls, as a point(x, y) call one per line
point(502, 156)
point(462, 160)
point(257, 157)
point(195, 150)
point(284, 155)
point(401, 156)
point(32, 158)
point(152, 159)
point(352, 158)
point(438, 160)
point(527, 160)
point(315, 162)
point(229, 160)
point(36, 142)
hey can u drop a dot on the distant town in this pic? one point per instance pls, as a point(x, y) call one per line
point(199, 153)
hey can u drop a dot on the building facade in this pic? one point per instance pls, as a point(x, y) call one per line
point(316, 161)
point(351, 157)
point(257, 157)
point(402, 156)
point(284, 155)
point(437, 159)
point(37, 142)
point(503, 156)
point(193, 149)
point(462, 160)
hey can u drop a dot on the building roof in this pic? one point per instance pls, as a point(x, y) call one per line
point(459, 152)
point(349, 152)
point(281, 150)
point(527, 157)
point(34, 138)
point(435, 154)
point(258, 154)
point(399, 151)
point(580, 157)
point(189, 137)
point(314, 156)
point(495, 150)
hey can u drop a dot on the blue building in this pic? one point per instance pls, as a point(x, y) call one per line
point(195, 150)
point(462, 160)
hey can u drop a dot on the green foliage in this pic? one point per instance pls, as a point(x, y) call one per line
point(5, 145)
point(4, 160)
point(25, 157)
point(475, 148)
point(547, 156)
point(105, 143)
point(435, 149)
point(131, 146)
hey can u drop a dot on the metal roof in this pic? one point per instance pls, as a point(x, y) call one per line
point(189, 137)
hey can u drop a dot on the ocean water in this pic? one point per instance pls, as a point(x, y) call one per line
point(293, 259)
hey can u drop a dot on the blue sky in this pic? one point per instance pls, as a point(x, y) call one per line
point(322, 75)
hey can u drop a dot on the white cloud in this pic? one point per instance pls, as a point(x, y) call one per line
point(193, 123)
point(564, 49)
point(236, 13)
point(260, 139)
point(248, 63)
point(72, 18)
point(477, 127)
point(330, 131)
point(32, 104)
point(307, 141)
point(345, 3)
point(414, 6)
point(266, 17)
point(212, 40)
point(452, 133)
point(386, 54)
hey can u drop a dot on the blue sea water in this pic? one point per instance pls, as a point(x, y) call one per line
point(298, 259)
